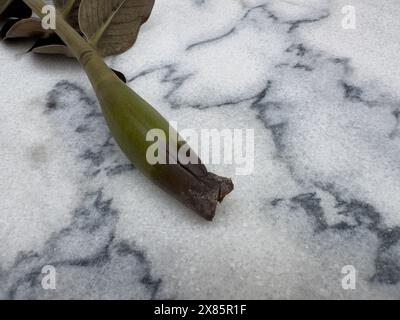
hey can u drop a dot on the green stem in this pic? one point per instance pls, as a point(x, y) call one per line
point(130, 118)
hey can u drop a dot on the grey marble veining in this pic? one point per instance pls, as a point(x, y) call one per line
point(324, 104)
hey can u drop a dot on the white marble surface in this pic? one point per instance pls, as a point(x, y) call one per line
point(325, 106)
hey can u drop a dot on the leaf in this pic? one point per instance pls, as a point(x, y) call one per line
point(14, 9)
point(22, 28)
point(112, 26)
point(52, 49)
point(51, 45)
point(9, 23)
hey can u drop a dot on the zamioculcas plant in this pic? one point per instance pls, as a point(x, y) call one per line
point(89, 30)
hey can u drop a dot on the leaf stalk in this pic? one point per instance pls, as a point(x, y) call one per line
point(130, 118)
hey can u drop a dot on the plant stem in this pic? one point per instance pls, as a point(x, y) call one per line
point(130, 118)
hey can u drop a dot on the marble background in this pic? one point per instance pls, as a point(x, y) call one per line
point(325, 192)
